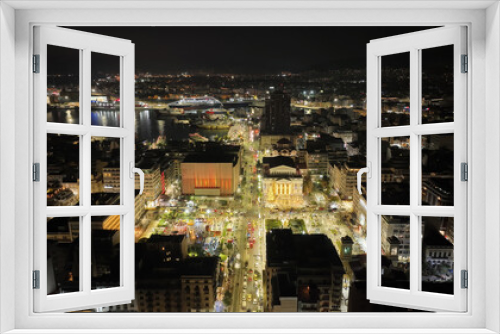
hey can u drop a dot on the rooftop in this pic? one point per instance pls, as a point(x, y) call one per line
point(147, 163)
point(283, 141)
point(346, 240)
point(212, 157)
point(434, 238)
point(279, 161)
point(285, 249)
point(200, 266)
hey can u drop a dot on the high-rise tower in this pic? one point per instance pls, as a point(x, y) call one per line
point(276, 118)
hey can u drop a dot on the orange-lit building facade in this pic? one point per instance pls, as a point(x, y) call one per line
point(210, 175)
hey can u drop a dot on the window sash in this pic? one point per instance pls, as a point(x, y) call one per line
point(86, 43)
point(413, 43)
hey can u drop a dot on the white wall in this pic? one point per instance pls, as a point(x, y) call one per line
point(220, 16)
point(492, 152)
point(7, 160)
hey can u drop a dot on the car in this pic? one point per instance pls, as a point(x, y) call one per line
point(249, 297)
point(243, 304)
point(250, 271)
point(244, 284)
point(255, 301)
point(243, 297)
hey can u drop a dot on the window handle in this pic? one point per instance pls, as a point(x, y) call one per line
point(139, 171)
point(368, 172)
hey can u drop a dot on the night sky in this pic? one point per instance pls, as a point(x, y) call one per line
point(245, 50)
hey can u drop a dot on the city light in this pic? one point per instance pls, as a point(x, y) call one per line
point(250, 178)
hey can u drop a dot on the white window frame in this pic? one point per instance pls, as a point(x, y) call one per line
point(86, 44)
point(483, 20)
point(413, 44)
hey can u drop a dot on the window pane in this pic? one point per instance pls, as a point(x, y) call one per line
point(395, 262)
point(105, 253)
point(105, 169)
point(63, 85)
point(437, 170)
point(395, 89)
point(437, 254)
point(395, 154)
point(63, 255)
point(105, 100)
point(437, 84)
point(63, 156)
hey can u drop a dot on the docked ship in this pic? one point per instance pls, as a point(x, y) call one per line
point(199, 102)
point(238, 103)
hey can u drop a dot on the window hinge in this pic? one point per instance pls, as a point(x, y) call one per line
point(36, 172)
point(465, 64)
point(464, 171)
point(465, 279)
point(36, 63)
point(36, 279)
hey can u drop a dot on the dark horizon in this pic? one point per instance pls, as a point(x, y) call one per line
point(244, 50)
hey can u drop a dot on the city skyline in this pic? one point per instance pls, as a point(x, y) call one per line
point(250, 201)
point(246, 50)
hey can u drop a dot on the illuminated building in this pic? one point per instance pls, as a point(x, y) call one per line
point(399, 227)
point(359, 211)
point(436, 248)
point(111, 178)
point(282, 182)
point(166, 164)
point(152, 179)
point(317, 162)
point(207, 174)
point(140, 206)
point(345, 178)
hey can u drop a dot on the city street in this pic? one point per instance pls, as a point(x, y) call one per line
point(235, 230)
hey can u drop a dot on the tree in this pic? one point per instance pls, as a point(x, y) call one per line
point(228, 296)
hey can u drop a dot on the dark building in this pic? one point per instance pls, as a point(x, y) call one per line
point(276, 119)
point(358, 302)
point(303, 273)
point(167, 280)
